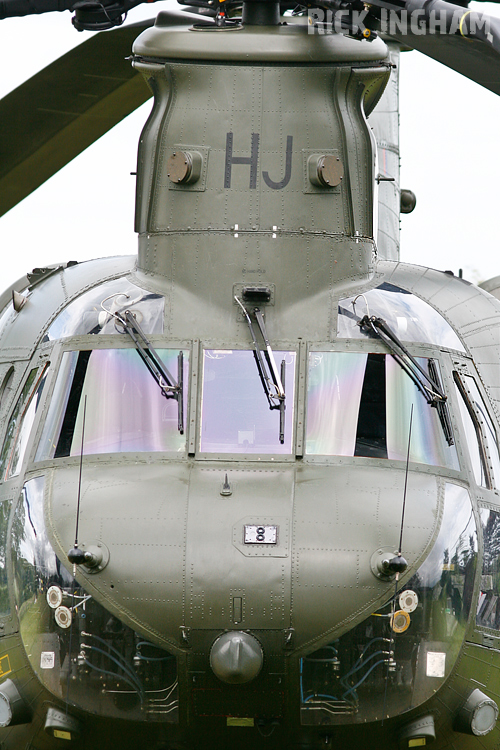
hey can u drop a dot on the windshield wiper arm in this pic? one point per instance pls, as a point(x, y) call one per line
point(273, 382)
point(441, 406)
point(429, 384)
point(169, 387)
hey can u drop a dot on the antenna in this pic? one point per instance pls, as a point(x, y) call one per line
point(400, 547)
point(398, 564)
point(77, 556)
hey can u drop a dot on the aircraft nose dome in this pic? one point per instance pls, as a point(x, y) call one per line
point(236, 657)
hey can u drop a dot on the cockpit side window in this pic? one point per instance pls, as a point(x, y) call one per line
point(126, 411)
point(360, 404)
point(6, 386)
point(480, 432)
point(488, 606)
point(21, 422)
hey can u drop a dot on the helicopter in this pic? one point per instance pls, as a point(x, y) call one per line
point(250, 477)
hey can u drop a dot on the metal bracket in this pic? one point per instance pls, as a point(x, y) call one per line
point(185, 632)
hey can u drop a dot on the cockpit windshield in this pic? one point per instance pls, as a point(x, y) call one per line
point(359, 405)
point(126, 410)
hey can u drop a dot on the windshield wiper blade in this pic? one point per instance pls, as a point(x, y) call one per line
point(273, 381)
point(169, 387)
point(429, 384)
point(441, 406)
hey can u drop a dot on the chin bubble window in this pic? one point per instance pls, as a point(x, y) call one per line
point(488, 606)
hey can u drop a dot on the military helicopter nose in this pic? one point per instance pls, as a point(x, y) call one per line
point(236, 579)
point(305, 551)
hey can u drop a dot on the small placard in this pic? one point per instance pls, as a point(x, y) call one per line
point(5, 667)
point(239, 721)
point(62, 735)
point(436, 661)
point(265, 534)
point(47, 660)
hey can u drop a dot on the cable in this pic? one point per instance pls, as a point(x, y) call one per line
point(355, 687)
point(125, 669)
point(320, 695)
point(117, 676)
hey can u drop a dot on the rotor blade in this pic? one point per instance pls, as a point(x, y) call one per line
point(469, 57)
point(63, 109)
point(10, 8)
point(462, 39)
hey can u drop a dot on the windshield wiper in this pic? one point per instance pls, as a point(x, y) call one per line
point(169, 387)
point(273, 382)
point(429, 384)
point(441, 406)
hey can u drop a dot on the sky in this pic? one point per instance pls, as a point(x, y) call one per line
point(450, 158)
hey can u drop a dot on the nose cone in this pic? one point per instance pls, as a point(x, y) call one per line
point(236, 657)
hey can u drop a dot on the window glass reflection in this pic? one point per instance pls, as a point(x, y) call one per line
point(410, 318)
point(428, 443)
point(126, 410)
point(334, 394)
point(235, 414)
point(4, 585)
point(360, 405)
point(488, 605)
point(85, 315)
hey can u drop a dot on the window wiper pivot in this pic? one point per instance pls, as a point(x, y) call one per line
point(169, 387)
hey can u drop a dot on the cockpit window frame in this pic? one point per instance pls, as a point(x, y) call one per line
point(194, 395)
point(294, 404)
point(43, 365)
point(460, 375)
point(445, 359)
point(92, 342)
